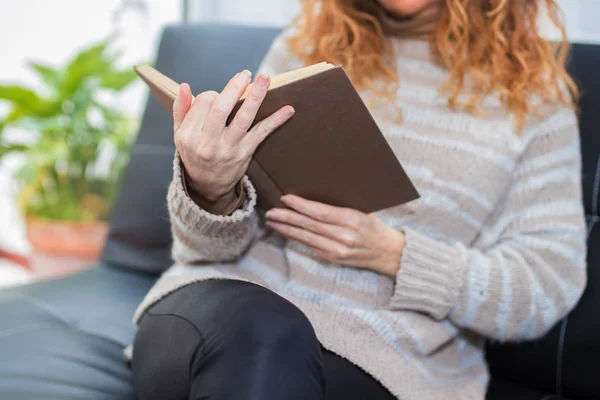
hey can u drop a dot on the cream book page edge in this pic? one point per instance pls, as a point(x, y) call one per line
point(171, 87)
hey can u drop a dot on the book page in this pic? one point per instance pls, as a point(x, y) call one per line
point(294, 75)
point(166, 84)
point(171, 88)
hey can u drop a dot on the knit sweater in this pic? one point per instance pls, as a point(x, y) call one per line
point(495, 245)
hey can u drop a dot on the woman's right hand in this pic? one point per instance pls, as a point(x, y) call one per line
point(216, 155)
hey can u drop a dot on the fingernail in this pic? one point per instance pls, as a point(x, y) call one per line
point(268, 213)
point(291, 110)
point(262, 81)
point(285, 198)
point(247, 73)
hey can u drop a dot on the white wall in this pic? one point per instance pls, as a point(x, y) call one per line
point(583, 22)
point(50, 31)
point(261, 12)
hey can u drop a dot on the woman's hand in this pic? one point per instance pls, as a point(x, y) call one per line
point(216, 155)
point(340, 235)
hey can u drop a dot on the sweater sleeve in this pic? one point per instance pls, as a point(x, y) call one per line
point(527, 268)
point(199, 236)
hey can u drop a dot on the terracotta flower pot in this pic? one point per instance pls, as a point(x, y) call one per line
point(61, 247)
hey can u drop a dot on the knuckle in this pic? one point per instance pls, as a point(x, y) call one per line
point(323, 214)
point(309, 224)
point(342, 253)
point(207, 97)
point(218, 110)
point(306, 236)
point(226, 154)
point(354, 220)
point(349, 239)
point(238, 85)
point(270, 125)
point(243, 121)
point(205, 154)
point(262, 133)
point(256, 95)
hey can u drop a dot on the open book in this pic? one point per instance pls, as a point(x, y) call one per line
point(330, 151)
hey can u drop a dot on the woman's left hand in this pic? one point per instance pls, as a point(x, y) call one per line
point(340, 235)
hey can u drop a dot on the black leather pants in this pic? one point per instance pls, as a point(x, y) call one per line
point(231, 340)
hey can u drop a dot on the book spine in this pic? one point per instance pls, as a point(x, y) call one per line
point(269, 193)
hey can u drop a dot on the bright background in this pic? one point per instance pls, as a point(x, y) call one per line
point(50, 32)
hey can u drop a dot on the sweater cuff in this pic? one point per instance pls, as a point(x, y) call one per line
point(200, 221)
point(430, 276)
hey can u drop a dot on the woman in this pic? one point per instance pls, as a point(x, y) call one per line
point(321, 302)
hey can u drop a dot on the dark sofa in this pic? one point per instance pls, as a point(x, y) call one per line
point(63, 339)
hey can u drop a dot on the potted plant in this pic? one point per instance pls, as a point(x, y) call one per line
point(74, 147)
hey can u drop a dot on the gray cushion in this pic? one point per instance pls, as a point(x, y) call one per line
point(63, 339)
point(206, 57)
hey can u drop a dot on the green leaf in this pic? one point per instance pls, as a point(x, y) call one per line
point(118, 80)
point(20, 96)
point(67, 132)
point(86, 64)
point(11, 148)
point(49, 75)
point(26, 102)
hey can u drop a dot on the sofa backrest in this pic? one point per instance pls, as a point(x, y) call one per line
point(565, 361)
point(205, 56)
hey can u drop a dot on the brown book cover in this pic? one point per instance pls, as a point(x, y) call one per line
point(330, 151)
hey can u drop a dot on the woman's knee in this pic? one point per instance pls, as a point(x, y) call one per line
point(219, 328)
point(231, 314)
point(163, 349)
point(266, 320)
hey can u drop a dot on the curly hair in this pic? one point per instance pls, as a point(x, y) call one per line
point(496, 43)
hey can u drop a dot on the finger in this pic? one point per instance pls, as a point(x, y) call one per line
point(339, 234)
point(310, 239)
point(224, 103)
point(324, 212)
point(265, 127)
point(332, 258)
point(194, 120)
point(247, 113)
point(181, 105)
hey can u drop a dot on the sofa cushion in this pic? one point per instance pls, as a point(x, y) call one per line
point(64, 338)
point(565, 362)
point(99, 301)
point(205, 56)
point(45, 358)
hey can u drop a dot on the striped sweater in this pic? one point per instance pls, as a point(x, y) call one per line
point(495, 246)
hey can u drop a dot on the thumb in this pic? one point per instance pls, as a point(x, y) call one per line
point(181, 105)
